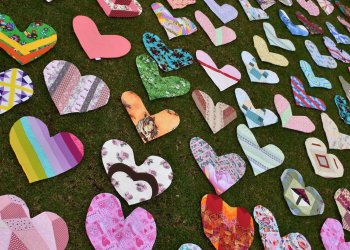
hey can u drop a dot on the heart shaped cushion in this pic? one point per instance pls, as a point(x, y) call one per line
point(148, 126)
point(267, 56)
point(40, 155)
point(253, 13)
point(189, 246)
point(222, 171)
point(342, 199)
point(179, 4)
point(314, 81)
point(107, 228)
point(313, 28)
point(167, 59)
point(276, 41)
point(324, 164)
point(261, 159)
point(225, 12)
point(120, 8)
point(310, 7)
point(335, 52)
point(28, 45)
point(301, 200)
point(16, 87)
point(19, 231)
point(226, 226)
point(71, 92)
point(98, 46)
point(343, 109)
point(135, 183)
point(296, 30)
point(320, 60)
point(326, 6)
point(336, 140)
point(332, 235)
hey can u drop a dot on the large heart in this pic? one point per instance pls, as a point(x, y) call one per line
point(264, 4)
point(344, 23)
point(336, 140)
point(135, 183)
point(179, 4)
point(253, 13)
point(296, 30)
point(40, 155)
point(167, 59)
point(332, 235)
point(157, 86)
point(107, 228)
point(218, 36)
point(71, 92)
point(310, 7)
point(19, 231)
point(342, 199)
point(290, 121)
point(346, 86)
point(343, 109)
point(261, 159)
point(340, 38)
point(226, 226)
point(270, 233)
point(28, 45)
point(266, 55)
point(313, 28)
point(148, 126)
point(189, 246)
point(301, 200)
point(98, 46)
point(223, 78)
point(217, 116)
point(320, 60)
point(121, 8)
point(222, 171)
point(326, 6)
point(276, 41)
point(16, 87)
point(335, 52)
point(255, 117)
point(324, 164)
point(314, 81)
point(174, 26)
point(225, 12)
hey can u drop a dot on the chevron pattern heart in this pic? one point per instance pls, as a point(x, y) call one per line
point(314, 81)
point(253, 13)
point(296, 30)
point(326, 6)
point(310, 7)
point(225, 12)
point(180, 4)
point(274, 40)
point(344, 23)
point(320, 60)
point(335, 52)
point(342, 199)
point(332, 235)
point(313, 28)
point(121, 8)
point(343, 109)
point(267, 56)
point(336, 140)
point(340, 38)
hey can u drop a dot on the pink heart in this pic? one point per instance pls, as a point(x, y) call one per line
point(96, 45)
point(179, 4)
point(107, 229)
point(310, 7)
point(332, 235)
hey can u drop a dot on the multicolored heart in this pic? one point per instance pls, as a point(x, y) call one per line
point(336, 140)
point(342, 199)
point(253, 13)
point(332, 235)
point(343, 109)
point(120, 8)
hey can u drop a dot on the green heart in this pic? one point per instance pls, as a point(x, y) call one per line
point(157, 86)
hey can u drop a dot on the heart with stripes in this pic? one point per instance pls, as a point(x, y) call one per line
point(40, 155)
point(313, 28)
point(135, 183)
point(253, 13)
point(71, 92)
point(276, 41)
point(332, 235)
point(261, 159)
point(304, 100)
point(314, 81)
point(340, 38)
point(225, 12)
point(310, 7)
point(320, 60)
point(266, 55)
point(224, 77)
point(335, 52)
point(342, 199)
point(336, 140)
point(324, 164)
point(326, 6)
point(217, 116)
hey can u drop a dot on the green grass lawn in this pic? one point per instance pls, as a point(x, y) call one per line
point(177, 210)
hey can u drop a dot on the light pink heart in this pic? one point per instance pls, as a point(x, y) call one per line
point(332, 235)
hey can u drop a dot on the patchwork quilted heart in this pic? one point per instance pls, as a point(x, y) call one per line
point(226, 226)
point(261, 159)
point(40, 155)
point(174, 27)
point(314, 81)
point(343, 8)
point(217, 116)
point(179, 4)
point(189, 246)
point(167, 59)
point(343, 109)
point(320, 60)
point(222, 171)
point(304, 100)
point(344, 23)
point(253, 13)
point(28, 45)
point(225, 12)
point(342, 199)
point(270, 233)
point(324, 164)
point(296, 30)
point(148, 126)
point(157, 86)
point(71, 92)
point(274, 40)
point(340, 38)
point(218, 36)
point(335, 52)
point(265, 4)
point(290, 121)
point(332, 235)
point(255, 117)
point(255, 74)
point(98, 46)
point(223, 78)
point(336, 140)
point(19, 231)
point(313, 28)
point(309, 6)
point(326, 6)
point(120, 8)
point(16, 87)
point(267, 56)
point(107, 228)
point(135, 183)
point(301, 200)
point(346, 86)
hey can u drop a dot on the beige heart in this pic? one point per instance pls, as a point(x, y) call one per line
point(336, 140)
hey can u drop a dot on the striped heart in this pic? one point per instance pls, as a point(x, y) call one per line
point(40, 155)
point(313, 28)
point(335, 52)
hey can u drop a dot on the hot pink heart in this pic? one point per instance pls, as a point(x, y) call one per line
point(332, 235)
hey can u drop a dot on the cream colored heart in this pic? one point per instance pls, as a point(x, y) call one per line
point(336, 140)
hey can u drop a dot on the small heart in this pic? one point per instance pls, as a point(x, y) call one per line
point(253, 13)
point(157, 86)
point(166, 58)
point(343, 9)
point(344, 23)
point(342, 199)
point(98, 46)
point(261, 159)
point(304, 100)
point(28, 45)
point(270, 234)
point(223, 78)
point(226, 226)
point(218, 36)
point(225, 12)
point(105, 214)
point(340, 38)
point(16, 87)
point(120, 8)
point(335, 52)
point(296, 30)
point(346, 86)
point(255, 74)
point(217, 116)
point(287, 2)
point(71, 92)
point(336, 140)
point(40, 155)
point(332, 235)
point(274, 40)
point(267, 56)
point(265, 4)
point(314, 81)
point(255, 117)
point(320, 60)
point(313, 28)
point(324, 164)
point(310, 7)
point(189, 246)
point(343, 109)
point(290, 121)
point(222, 171)
point(179, 4)
point(326, 6)
point(148, 126)
point(301, 200)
